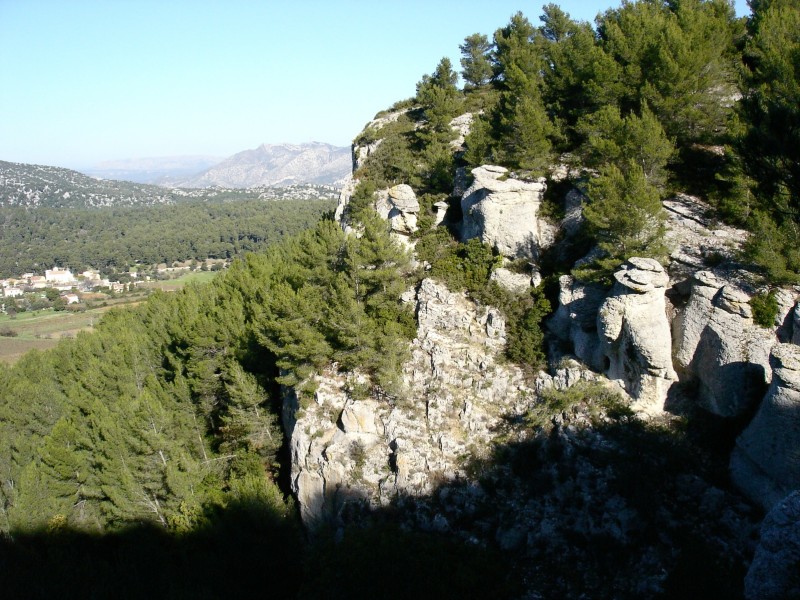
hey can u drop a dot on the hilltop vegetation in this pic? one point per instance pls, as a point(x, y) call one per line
point(649, 100)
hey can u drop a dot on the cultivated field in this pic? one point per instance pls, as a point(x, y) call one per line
point(43, 329)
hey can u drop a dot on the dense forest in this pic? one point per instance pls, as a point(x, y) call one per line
point(116, 238)
point(157, 435)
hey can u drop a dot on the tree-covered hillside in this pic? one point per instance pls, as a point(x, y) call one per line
point(116, 238)
point(169, 410)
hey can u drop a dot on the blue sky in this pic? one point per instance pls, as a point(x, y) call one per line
point(85, 81)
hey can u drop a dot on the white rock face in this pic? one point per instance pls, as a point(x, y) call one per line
point(635, 336)
point(718, 345)
point(441, 211)
point(462, 125)
point(504, 213)
point(766, 461)
point(344, 198)
point(516, 283)
point(347, 451)
point(360, 154)
point(398, 205)
point(695, 240)
point(405, 208)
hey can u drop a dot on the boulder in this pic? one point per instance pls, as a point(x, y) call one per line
point(503, 212)
point(516, 283)
point(765, 463)
point(400, 207)
point(774, 573)
point(718, 345)
point(634, 333)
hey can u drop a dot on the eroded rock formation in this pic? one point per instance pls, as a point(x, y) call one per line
point(400, 207)
point(504, 212)
point(634, 333)
point(766, 461)
point(348, 452)
point(775, 571)
point(718, 345)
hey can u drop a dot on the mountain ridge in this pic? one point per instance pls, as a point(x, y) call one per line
point(277, 164)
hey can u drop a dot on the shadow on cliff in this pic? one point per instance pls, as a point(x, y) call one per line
point(243, 548)
point(247, 551)
point(621, 509)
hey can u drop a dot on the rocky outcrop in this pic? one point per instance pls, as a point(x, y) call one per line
point(696, 240)
point(441, 212)
point(461, 125)
point(516, 283)
point(504, 212)
point(634, 333)
point(348, 450)
point(766, 461)
point(718, 345)
point(774, 573)
point(344, 199)
point(574, 323)
point(400, 207)
point(361, 151)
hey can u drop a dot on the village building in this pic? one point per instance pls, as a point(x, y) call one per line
point(12, 291)
point(37, 282)
point(57, 276)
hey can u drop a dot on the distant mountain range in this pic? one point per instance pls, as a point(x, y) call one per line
point(39, 186)
point(267, 165)
point(158, 170)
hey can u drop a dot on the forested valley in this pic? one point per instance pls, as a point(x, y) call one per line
point(147, 458)
point(114, 239)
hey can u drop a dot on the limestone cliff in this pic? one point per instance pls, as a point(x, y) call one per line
point(766, 460)
point(503, 212)
point(347, 449)
point(678, 336)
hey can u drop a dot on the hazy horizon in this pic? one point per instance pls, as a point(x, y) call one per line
point(88, 81)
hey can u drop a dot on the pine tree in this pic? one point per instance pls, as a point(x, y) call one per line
point(475, 63)
point(678, 57)
point(522, 129)
point(771, 108)
point(439, 98)
point(579, 76)
point(612, 139)
point(626, 218)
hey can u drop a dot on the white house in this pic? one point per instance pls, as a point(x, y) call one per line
point(57, 276)
point(13, 291)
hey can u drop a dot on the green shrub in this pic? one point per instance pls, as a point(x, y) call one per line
point(591, 398)
point(765, 308)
